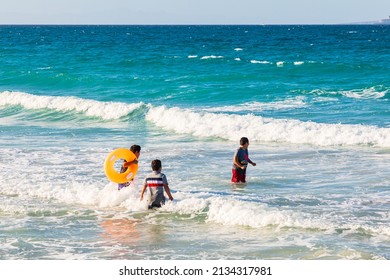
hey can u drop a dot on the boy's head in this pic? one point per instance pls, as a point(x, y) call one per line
point(136, 149)
point(156, 165)
point(244, 141)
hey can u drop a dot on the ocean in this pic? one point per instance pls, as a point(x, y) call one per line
point(313, 100)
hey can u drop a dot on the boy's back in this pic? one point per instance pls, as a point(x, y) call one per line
point(155, 182)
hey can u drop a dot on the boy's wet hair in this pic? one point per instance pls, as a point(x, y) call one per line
point(135, 148)
point(156, 164)
point(244, 140)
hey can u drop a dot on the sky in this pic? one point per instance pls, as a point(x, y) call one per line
point(192, 11)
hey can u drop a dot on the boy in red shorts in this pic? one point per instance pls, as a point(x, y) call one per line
point(240, 162)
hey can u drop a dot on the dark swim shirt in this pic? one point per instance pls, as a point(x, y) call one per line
point(242, 157)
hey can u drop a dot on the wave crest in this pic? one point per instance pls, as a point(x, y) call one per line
point(91, 108)
point(257, 128)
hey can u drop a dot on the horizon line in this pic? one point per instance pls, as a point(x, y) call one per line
point(183, 24)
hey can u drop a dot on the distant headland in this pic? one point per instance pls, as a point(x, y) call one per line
point(385, 21)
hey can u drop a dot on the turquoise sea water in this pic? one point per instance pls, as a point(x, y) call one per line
point(313, 101)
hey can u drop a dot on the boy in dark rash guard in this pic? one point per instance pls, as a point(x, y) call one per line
point(240, 162)
point(136, 149)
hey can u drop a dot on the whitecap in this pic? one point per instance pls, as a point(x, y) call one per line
point(257, 128)
point(260, 62)
point(211, 57)
point(91, 108)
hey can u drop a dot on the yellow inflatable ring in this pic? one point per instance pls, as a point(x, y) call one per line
point(109, 168)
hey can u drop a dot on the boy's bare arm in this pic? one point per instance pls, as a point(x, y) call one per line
point(167, 190)
point(127, 164)
point(238, 164)
point(142, 192)
point(251, 162)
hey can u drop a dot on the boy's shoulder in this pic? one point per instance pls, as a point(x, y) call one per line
point(154, 173)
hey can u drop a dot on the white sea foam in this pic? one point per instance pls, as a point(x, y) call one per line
point(216, 209)
point(234, 212)
point(255, 106)
point(43, 186)
point(368, 93)
point(365, 93)
point(91, 108)
point(211, 57)
point(250, 214)
point(192, 56)
point(232, 127)
point(44, 68)
point(238, 49)
point(298, 62)
point(260, 62)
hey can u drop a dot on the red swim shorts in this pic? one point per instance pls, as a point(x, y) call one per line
point(238, 176)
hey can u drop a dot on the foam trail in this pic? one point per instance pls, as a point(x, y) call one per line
point(232, 127)
point(91, 108)
point(261, 106)
point(366, 93)
point(211, 56)
point(260, 62)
